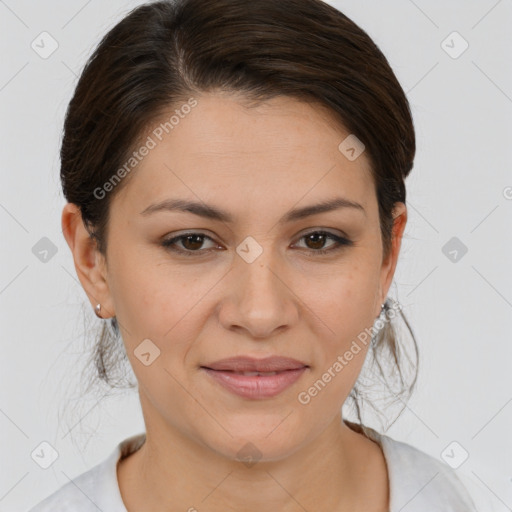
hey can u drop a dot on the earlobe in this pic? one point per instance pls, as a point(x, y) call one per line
point(89, 263)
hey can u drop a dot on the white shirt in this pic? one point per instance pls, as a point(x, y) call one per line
point(417, 481)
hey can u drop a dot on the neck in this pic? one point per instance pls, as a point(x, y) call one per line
point(172, 471)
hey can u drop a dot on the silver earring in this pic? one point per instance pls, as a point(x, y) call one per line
point(383, 308)
point(97, 310)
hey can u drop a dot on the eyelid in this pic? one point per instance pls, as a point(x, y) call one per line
point(340, 242)
point(327, 231)
point(171, 241)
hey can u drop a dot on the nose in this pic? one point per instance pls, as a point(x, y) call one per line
point(258, 298)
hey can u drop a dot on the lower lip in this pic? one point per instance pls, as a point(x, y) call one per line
point(256, 386)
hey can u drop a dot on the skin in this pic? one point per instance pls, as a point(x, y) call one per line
point(256, 163)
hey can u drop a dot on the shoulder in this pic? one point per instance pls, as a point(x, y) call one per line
point(96, 489)
point(419, 482)
point(423, 482)
point(79, 494)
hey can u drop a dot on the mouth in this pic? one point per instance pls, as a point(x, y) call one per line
point(248, 364)
point(255, 385)
point(251, 373)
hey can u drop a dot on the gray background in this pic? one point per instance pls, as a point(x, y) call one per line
point(461, 186)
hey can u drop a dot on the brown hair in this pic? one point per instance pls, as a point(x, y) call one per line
point(162, 53)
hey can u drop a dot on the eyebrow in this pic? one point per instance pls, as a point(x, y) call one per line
point(214, 213)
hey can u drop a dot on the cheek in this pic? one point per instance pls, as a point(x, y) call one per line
point(344, 312)
point(344, 309)
point(159, 325)
point(164, 305)
point(345, 299)
point(148, 295)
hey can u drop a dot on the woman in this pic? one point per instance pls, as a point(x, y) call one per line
point(234, 172)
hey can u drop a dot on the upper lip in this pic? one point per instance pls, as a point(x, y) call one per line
point(251, 364)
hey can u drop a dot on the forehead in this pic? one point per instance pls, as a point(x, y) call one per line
point(282, 151)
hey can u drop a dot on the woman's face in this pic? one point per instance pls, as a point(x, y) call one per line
point(252, 284)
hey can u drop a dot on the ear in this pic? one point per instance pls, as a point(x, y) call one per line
point(90, 264)
point(389, 264)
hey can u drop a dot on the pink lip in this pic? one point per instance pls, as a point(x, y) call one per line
point(252, 364)
point(256, 387)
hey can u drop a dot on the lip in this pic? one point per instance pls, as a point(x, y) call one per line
point(252, 364)
point(227, 372)
point(254, 386)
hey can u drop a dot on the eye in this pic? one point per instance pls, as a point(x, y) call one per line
point(317, 239)
point(191, 242)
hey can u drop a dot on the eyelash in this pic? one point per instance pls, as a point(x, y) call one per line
point(341, 242)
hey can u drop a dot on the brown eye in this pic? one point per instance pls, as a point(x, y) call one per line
point(315, 242)
point(190, 243)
